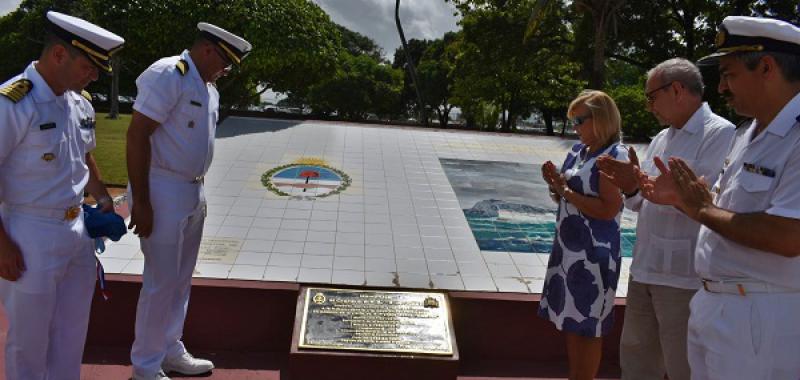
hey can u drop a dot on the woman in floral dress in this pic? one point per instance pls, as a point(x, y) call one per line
point(582, 274)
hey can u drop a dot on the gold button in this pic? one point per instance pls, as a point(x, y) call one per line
point(72, 213)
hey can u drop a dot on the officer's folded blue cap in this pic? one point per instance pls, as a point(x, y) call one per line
point(742, 34)
point(98, 44)
point(103, 224)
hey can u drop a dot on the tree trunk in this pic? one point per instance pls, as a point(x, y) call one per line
point(113, 112)
point(563, 127)
point(597, 78)
point(548, 122)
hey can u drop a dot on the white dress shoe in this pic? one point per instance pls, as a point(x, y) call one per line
point(187, 364)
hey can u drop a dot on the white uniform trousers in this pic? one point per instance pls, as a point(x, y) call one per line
point(751, 337)
point(48, 307)
point(170, 254)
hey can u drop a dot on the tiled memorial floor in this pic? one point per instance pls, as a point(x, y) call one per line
point(399, 223)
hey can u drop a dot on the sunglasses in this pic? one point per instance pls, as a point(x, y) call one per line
point(578, 120)
point(225, 59)
point(651, 95)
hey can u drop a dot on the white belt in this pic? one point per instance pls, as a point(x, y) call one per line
point(66, 214)
point(170, 174)
point(742, 287)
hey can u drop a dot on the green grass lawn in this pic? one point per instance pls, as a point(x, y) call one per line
point(110, 151)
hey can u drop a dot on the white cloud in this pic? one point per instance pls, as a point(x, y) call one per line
point(8, 6)
point(421, 19)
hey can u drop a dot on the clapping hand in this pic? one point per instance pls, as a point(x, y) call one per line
point(692, 191)
point(660, 189)
point(622, 174)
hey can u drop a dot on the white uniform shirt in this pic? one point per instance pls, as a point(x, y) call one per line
point(665, 237)
point(187, 109)
point(44, 139)
point(760, 175)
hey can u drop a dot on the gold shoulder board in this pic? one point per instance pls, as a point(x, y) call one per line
point(17, 90)
point(182, 66)
point(87, 95)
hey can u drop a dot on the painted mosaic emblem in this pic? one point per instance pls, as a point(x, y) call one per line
point(306, 178)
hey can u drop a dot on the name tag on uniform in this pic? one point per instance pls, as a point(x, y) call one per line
point(753, 168)
point(47, 126)
point(195, 103)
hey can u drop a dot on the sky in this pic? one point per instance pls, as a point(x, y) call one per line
point(7, 6)
point(421, 19)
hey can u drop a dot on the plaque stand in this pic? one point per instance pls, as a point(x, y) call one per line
point(324, 363)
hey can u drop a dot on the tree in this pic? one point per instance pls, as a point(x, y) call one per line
point(358, 44)
point(360, 86)
point(436, 75)
point(496, 65)
point(408, 96)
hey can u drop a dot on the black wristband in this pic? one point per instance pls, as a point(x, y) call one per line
point(631, 195)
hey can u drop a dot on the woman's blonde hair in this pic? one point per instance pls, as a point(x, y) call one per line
point(605, 114)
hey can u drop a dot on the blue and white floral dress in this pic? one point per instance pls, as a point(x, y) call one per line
point(583, 270)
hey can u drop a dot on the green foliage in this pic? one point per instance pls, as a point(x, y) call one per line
point(358, 44)
point(435, 72)
point(637, 123)
point(497, 65)
point(361, 85)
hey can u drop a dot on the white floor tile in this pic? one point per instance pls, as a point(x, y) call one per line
point(314, 261)
point(349, 277)
point(382, 279)
point(280, 273)
point(479, 283)
point(252, 258)
point(314, 275)
point(447, 282)
point(208, 270)
point(247, 272)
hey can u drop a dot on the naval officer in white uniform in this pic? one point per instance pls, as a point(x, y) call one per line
point(170, 146)
point(47, 261)
point(744, 320)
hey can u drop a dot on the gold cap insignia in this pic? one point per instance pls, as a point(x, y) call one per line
point(431, 302)
point(721, 36)
point(319, 298)
point(48, 157)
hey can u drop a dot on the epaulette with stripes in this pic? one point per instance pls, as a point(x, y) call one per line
point(87, 95)
point(182, 66)
point(17, 90)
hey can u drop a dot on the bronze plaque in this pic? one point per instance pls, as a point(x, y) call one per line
point(370, 320)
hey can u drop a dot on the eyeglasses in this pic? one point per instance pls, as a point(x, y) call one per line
point(578, 120)
point(650, 96)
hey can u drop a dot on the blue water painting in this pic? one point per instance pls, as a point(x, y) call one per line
point(508, 207)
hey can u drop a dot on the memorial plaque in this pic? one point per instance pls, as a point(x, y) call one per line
point(219, 250)
point(384, 321)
